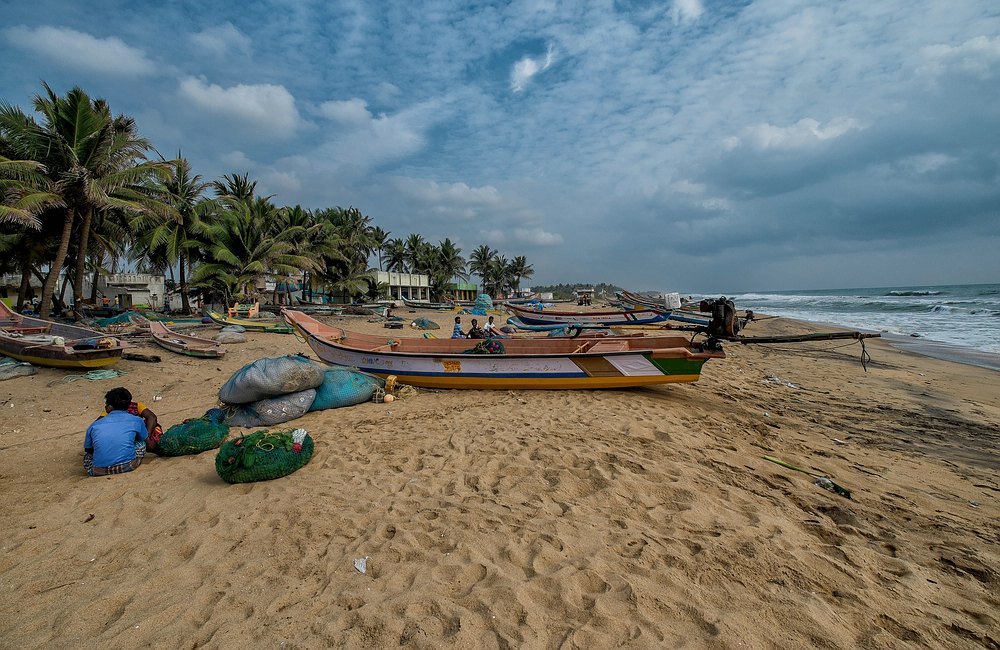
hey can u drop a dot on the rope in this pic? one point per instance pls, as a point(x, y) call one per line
point(93, 375)
point(865, 357)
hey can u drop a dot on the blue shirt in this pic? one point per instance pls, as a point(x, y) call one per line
point(113, 438)
point(456, 332)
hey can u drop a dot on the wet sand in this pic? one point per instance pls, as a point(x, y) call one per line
point(640, 518)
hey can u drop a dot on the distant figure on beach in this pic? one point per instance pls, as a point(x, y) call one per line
point(456, 332)
point(476, 332)
point(116, 442)
point(491, 330)
point(149, 418)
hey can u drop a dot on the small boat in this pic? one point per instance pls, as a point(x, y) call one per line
point(192, 346)
point(250, 325)
point(607, 318)
point(165, 318)
point(540, 363)
point(55, 345)
point(419, 304)
point(517, 323)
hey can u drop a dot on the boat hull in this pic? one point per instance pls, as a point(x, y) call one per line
point(51, 355)
point(633, 317)
point(190, 346)
point(250, 325)
point(452, 369)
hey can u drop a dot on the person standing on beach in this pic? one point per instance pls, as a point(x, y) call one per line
point(115, 443)
point(456, 332)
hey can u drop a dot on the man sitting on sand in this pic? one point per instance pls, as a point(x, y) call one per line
point(476, 332)
point(152, 423)
point(115, 443)
point(456, 332)
point(491, 330)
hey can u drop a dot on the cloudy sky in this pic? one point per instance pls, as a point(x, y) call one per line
point(691, 145)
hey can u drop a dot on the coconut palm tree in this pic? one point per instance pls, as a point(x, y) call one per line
point(518, 270)
point(23, 192)
point(242, 251)
point(379, 239)
point(479, 261)
point(395, 253)
point(174, 239)
point(93, 163)
point(414, 246)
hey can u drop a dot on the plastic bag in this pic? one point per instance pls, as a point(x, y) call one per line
point(270, 377)
point(274, 410)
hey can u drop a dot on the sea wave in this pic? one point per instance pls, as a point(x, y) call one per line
point(921, 292)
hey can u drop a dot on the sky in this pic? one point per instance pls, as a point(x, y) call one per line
point(685, 145)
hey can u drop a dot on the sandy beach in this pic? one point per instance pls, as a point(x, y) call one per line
point(642, 518)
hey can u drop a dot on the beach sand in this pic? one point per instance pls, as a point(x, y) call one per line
point(641, 518)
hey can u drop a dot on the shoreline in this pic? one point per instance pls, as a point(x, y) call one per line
point(916, 345)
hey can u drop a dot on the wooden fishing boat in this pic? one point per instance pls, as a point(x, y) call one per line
point(56, 345)
point(250, 325)
point(517, 323)
point(169, 320)
point(192, 346)
point(607, 318)
point(418, 304)
point(540, 363)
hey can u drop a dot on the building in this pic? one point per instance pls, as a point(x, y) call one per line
point(411, 286)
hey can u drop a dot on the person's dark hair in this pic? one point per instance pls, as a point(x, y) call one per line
point(475, 322)
point(118, 399)
point(458, 319)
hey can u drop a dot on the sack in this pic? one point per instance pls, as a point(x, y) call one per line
point(344, 387)
point(234, 328)
point(270, 377)
point(274, 410)
point(195, 436)
point(230, 337)
point(263, 455)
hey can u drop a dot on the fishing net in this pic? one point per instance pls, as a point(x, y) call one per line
point(425, 324)
point(487, 346)
point(9, 368)
point(234, 328)
point(195, 436)
point(270, 377)
point(263, 455)
point(273, 410)
point(484, 302)
point(344, 387)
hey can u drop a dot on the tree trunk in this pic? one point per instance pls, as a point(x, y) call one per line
point(93, 286)
point(81, 262)
point(22, 292)
point(49, 286)
point(185, 303)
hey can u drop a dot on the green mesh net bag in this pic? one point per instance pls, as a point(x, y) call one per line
point(487, 346)
point(263, 455)
point(195, 436)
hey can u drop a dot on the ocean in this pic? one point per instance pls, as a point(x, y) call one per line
point(957, 322)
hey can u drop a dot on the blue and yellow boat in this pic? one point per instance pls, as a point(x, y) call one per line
point(55, 345)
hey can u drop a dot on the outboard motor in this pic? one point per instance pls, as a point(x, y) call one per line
point(724, 323)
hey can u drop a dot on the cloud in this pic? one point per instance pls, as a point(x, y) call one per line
point(537, 236)
point(351, 111)
point(979, 56)
point(220, 40)
point(269, 107)
point(525, 69)
point(685, 11)
point(79, 50)
point(803, 133)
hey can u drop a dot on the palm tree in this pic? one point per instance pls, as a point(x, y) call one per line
point(91, 160)
point(242, 251)
point(174, 240)
point(379, 239)
point(234, 186)
point(450, 260)
point(479, 261)
point(23, 192)
point(395, 253)
point(519, 269)
point(414, 246)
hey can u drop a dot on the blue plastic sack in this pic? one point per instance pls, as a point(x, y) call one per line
point(344, 387)
point(274, 410)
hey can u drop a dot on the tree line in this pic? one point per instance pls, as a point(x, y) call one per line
point(82, 191)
